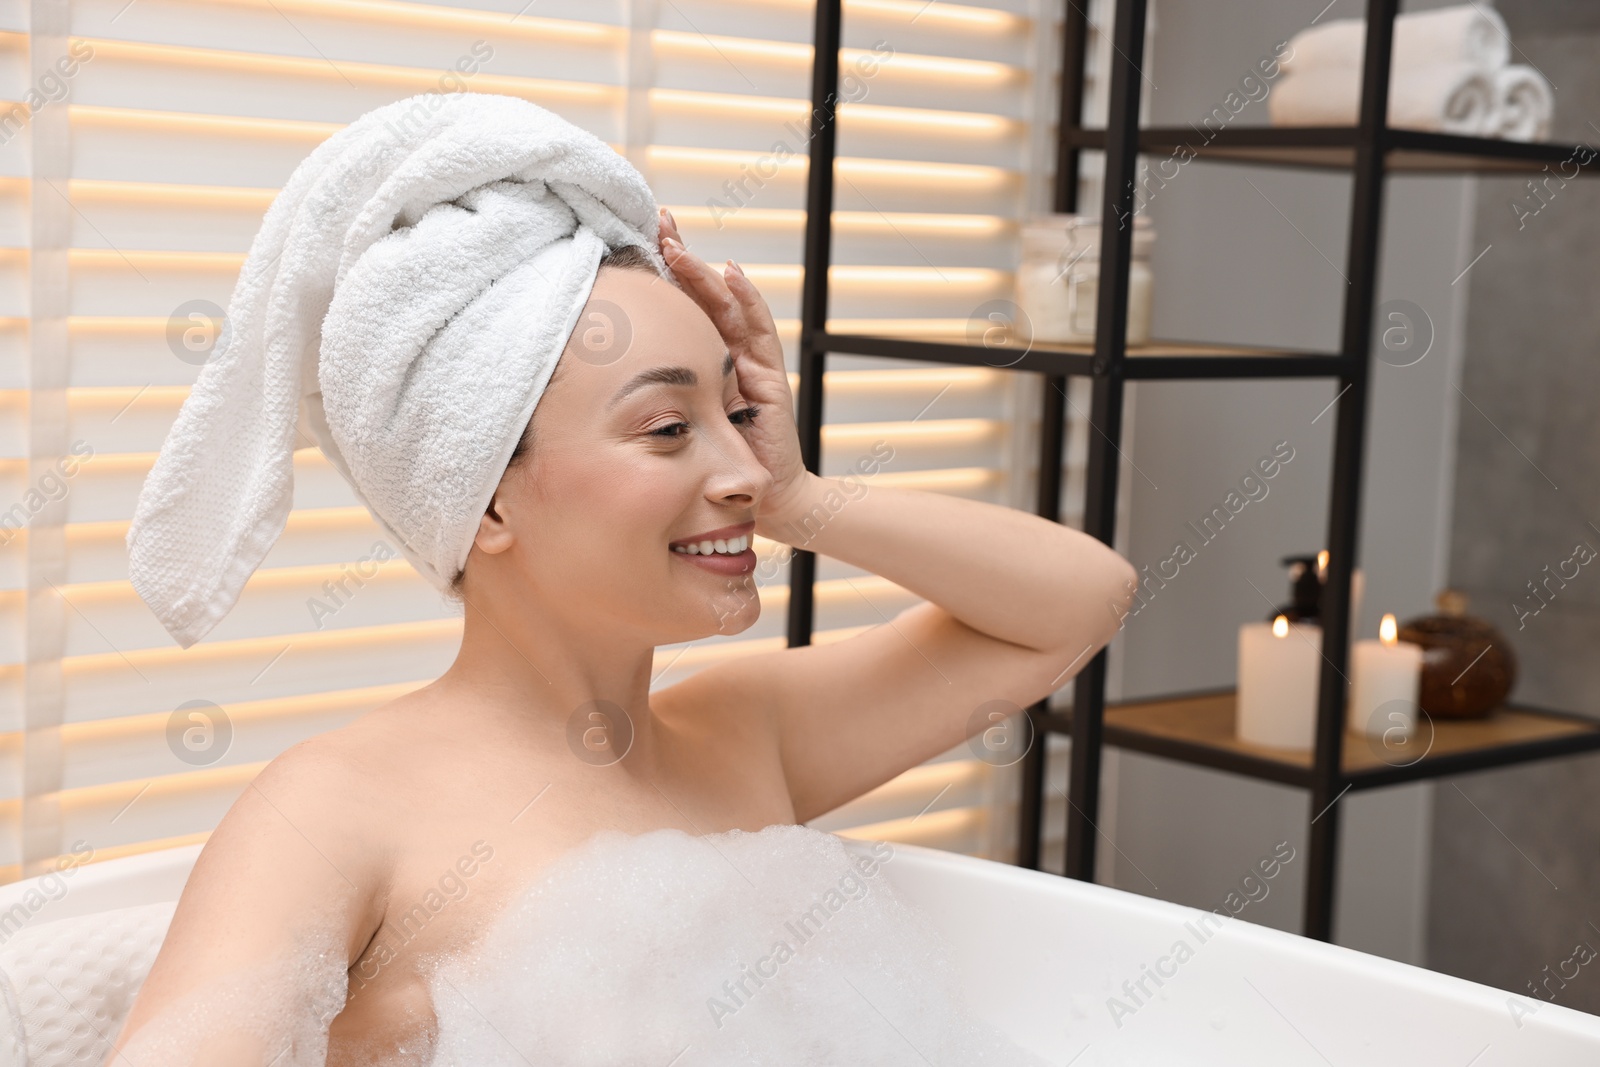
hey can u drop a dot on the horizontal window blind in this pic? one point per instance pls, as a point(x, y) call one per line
point(145, 141)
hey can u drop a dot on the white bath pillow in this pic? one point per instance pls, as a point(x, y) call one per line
point(68, 985)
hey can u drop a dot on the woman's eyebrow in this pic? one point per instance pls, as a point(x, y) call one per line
point(685, 376)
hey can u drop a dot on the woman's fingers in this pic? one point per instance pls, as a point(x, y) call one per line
point(669, 226)
point(756, 312)
point(689, 268)
point(744, 322)
point(708, 289)
point(732, 302)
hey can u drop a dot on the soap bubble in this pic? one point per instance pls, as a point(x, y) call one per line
point(740, 949)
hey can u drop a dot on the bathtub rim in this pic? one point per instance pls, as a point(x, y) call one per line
point(159, 876)
point(1249, 935)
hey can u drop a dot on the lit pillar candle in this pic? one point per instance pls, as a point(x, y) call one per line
point(1385, 681)
point(1278, 667)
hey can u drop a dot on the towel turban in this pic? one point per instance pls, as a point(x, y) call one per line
point(403, 308)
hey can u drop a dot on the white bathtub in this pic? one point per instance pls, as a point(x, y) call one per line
point(1042, 956)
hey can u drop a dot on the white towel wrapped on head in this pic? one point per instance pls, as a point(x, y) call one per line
point(402, 307)
point(1450, 99)
point(1469, 34)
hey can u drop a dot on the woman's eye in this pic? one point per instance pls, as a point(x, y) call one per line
point(674, 430)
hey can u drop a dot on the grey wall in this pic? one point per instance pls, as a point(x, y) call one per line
point(1255, 255)
point(1516, 853)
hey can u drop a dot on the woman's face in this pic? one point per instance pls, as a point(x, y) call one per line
point(637, 448)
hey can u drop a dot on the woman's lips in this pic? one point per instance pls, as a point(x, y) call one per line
point(718, 563)
point(705, 547)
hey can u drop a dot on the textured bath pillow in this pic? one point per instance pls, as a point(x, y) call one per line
point(68, 985)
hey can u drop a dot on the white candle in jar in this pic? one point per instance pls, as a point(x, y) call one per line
point(1278, 669)
point(1058, 280)
point(1083, 300)
point(1385, 681)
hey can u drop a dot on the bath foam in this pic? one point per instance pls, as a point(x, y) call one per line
point(756, 949)
point(275, 1012)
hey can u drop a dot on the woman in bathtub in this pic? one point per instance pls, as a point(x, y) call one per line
point(625, 521)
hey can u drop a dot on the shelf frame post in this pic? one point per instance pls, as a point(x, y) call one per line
point(1036, 760)
point(823, 150)
point(1052, 418)
point(1328, 781)
point(1106, 409)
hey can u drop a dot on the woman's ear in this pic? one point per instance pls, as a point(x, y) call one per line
point(494, 527)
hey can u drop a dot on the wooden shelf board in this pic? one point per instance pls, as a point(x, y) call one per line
point(1333, 147)
point(1154, 348)
point(1207, 721)
point(1156, 361)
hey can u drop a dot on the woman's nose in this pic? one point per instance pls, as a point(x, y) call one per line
point(738, 476)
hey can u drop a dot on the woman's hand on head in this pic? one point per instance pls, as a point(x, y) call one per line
point(742, 317)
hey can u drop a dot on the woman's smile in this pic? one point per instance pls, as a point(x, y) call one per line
point(723, 551)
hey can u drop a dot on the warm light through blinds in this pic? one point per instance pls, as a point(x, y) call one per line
point(128, 199)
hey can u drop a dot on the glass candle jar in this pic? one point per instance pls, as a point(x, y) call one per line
point(1058, 282)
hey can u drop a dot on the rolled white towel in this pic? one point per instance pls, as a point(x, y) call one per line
point(1525, 104)
point(402, 307)
point(1456, 98)
point(1469, 34)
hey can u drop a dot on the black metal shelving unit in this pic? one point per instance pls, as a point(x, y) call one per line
point(1190, 728)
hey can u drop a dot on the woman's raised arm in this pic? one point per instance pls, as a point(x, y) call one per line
point(1016, 604)
point(1002, 572)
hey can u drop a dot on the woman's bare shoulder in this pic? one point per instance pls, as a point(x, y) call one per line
point(344, 790)
point(361, 756)
point(320, 769)
point(321, 801)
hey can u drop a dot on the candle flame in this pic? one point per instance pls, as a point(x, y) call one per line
point(1388, 632)
point(1322, 561)
point(1280, 627)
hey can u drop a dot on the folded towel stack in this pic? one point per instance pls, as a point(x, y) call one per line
point(1452, 74)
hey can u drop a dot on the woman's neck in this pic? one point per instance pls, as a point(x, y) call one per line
point(551, 674)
